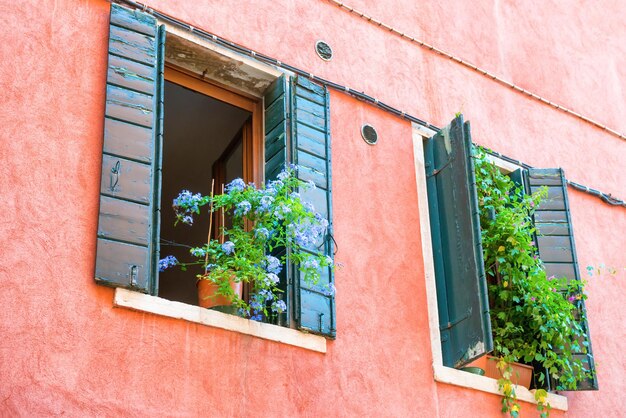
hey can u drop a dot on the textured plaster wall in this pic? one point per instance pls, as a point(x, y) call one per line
point(65, 350)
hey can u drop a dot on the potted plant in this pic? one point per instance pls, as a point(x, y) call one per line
point(532, 316)
point(268, 227)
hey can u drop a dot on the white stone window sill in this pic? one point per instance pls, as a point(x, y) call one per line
point(159, 306)
point(486, 384)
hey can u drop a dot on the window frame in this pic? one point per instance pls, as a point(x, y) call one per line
point(441, 373)
point(259, 77)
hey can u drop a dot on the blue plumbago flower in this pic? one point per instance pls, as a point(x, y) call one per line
point(273, 278)
point(237, 184)
point(279, 306)
point(266, 202)
point(255, 304)
point(308, 207)
point(272, 186)
point(243, 208)
point(328, 289)
point(228, 247)
point(167, 262)
point(262, 233)
point(283, 175)
point(256, 317)
point(185, 205)
point(198, 252)
point(294, 195)
point(311, 263)
point(281, 211)
point(272, 264)
point(266, 294)
point(243, 312)
point(210, 267)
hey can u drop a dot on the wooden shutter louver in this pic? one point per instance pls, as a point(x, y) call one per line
point(310, 149)
point(276, 107)
point(128, 225)
point(555, 241)
point(455, 226)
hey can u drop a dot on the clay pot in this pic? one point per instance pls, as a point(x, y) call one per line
point(522, 373)
point(207, 293)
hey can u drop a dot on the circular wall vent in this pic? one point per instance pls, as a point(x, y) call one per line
point(369, 134)
point(324, 50)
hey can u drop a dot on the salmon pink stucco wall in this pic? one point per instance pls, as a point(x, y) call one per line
point(64, 350)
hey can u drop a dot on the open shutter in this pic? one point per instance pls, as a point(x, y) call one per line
point(310, 149)
point(555, 241)
point(459, 268)
point(127, 248)
point(276, 105)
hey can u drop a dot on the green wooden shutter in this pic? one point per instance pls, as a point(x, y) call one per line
point(310, 150)
point(555, 241)
point(128, 226)
point(455, 227)
point(276, 105)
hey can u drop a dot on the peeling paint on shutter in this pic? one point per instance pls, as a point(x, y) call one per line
point(459, 268)
point(128, 230)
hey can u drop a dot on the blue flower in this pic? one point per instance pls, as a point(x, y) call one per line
point(243, 208)
point(235, 185)
point(167, 262)
point(311, 263)
point(257, 317)
point(272, 264)
point(198, 252)
point(228, 247)
point(185, 205)
point(273, 278)
point(279, 306)
point(283, 175)
point(262, 233)
point(266, 202)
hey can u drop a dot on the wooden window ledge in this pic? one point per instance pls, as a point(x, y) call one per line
point(159, 306)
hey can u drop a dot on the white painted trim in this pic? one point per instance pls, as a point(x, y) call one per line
point(503, 165)
point(159, 306)
point(442, 373)
point(427, 247)
point(422, 130)
point(486, 384)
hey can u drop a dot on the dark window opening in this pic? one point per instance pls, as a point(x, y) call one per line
point(203, 140)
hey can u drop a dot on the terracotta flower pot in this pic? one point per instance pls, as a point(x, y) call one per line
point(208, 296)
point(522, 374)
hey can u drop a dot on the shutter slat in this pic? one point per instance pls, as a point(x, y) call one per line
point(130, 74)
point(455, 226)
point(312, 168)
point(124, 221)
point(557, 248)
point(132, 45)
point(130, 106)
point(310, 127)
point(126, 179)
point(311, 140)
point(133, 19)
point(127, 250)
point(117, 134)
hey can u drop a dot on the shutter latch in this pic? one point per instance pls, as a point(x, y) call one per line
point(115, 175)
point(134, 270)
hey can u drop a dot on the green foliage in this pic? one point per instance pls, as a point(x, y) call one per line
point(533, 317)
